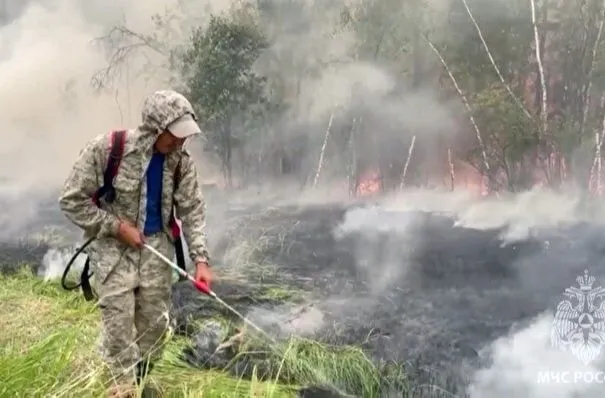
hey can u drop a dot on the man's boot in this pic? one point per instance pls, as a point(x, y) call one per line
point(144, 367)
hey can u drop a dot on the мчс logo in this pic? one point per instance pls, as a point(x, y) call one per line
point(579, 324)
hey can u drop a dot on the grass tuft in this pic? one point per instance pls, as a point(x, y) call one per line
point(48, 340)
point(48, 343)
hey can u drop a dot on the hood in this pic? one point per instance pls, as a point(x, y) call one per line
point(162, 108)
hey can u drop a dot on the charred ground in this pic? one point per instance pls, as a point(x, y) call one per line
point(410, 288)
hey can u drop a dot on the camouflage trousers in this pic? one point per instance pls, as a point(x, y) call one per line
point(134, 300)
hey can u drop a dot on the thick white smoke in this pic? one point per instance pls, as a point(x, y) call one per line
point(47, 60)
point(48, 56)
point(526, 365)
point(518, 214)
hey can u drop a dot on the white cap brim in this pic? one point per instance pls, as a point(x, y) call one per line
point(184, 127)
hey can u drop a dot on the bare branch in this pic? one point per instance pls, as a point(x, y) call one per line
point(116, 97)
point(122, 43)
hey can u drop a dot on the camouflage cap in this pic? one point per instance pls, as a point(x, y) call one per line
point(164, 107)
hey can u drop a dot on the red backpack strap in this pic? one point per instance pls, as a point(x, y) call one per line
point(118, 142)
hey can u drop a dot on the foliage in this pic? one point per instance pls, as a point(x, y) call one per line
point(222, 83)
point(511, 136)
point(253, 117)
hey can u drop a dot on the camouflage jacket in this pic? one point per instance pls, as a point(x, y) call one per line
point(130, 203)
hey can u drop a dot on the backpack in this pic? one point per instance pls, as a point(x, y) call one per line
point(118, 140)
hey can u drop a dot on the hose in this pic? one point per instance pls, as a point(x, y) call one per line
point(70, 263)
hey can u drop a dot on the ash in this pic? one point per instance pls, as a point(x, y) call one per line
point(411, 288)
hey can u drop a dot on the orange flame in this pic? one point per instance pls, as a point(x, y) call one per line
point(369, 184)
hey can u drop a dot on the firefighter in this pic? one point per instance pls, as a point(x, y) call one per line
point(136, 204)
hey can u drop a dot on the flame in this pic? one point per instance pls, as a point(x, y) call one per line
point(369, 184)
point(469, 179)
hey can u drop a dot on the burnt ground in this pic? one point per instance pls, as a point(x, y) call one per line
point(409, 287)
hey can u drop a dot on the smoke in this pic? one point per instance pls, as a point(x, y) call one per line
point(522, 362)
point(313, 66)
point(525, 365)
point(48, 57)
point(384, 243)
point(518, 215)
point(55, 260)
point(50, 107)
point(288, 320)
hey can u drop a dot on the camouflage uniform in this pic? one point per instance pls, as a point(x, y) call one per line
point(133, 285)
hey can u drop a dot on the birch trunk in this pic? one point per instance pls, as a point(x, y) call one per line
point(407, 163)
point(323, 151)
point(544, 108)
point(493, 62)
point(586, 101)
point(465, 101)
point(594, 180)
point(451, 164)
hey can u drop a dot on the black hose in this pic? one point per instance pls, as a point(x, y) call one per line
point(180, 257)
point(70, 263)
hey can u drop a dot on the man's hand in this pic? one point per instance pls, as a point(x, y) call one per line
point(130, 235)
point(203, 273)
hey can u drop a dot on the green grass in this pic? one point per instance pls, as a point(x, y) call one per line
point(48, 343)
point(279, 293)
